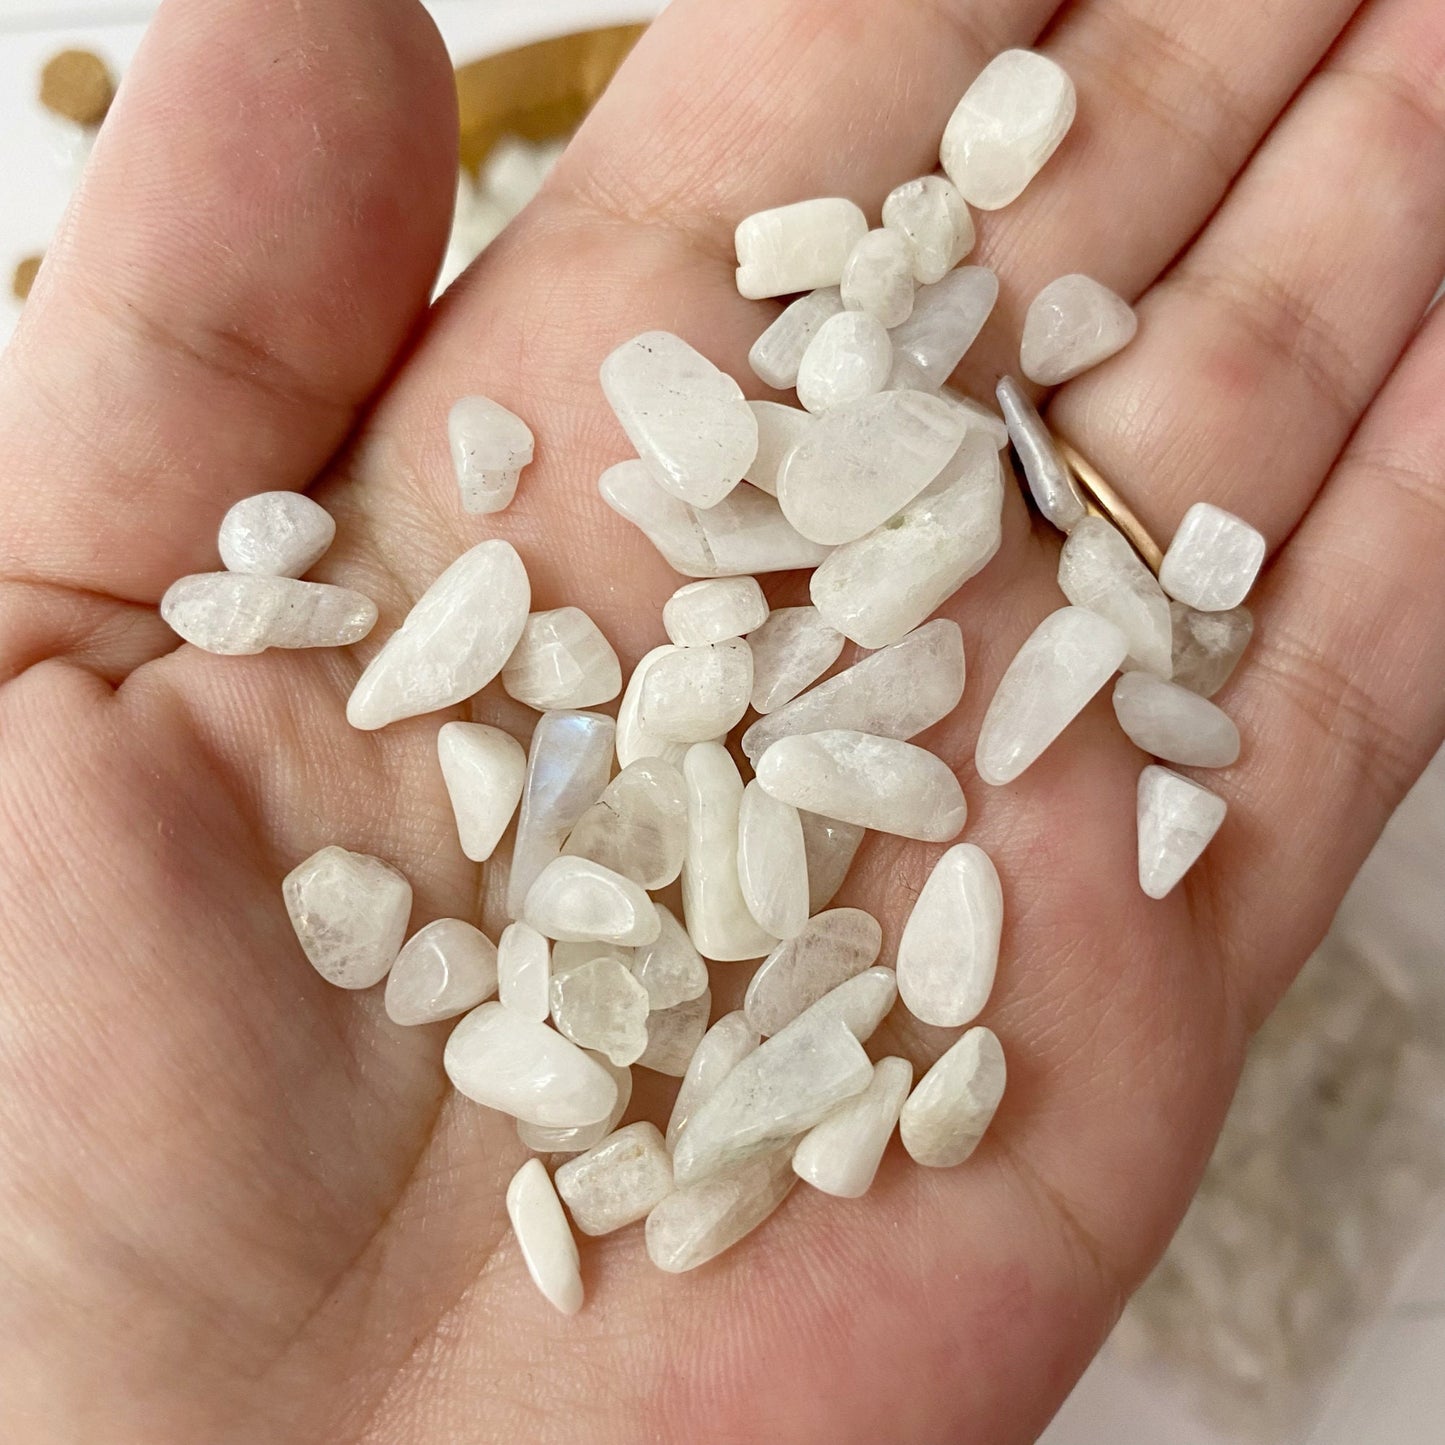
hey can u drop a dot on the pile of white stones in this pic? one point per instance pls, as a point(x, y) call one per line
point(889, 487)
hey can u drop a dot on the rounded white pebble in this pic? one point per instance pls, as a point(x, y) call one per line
point(548, 1249)
point(524, 972)
point(954, 1102)
point(562, 660)
point(848, 359)
point(350, 912)
point(617, 1182)
point(442, 970)
point(575, 900)
point(800, 247)
point(714, 610)
point(878, 277)
point(490, 446)
point(1177, 820)
point(1213, 560)
point(841, 1155)
point(1073, 324)
point(483, 769)
point(275, 534)
point(234, 614)
point(932, 216)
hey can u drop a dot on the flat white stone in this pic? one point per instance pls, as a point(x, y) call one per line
point(724, 1046)
point(548, 1249)
point(275, 534)
point(830, 847)
point(714, 610)
point(543, 1140)
point(862, 1003)
point(1071, 654)
point(1051, 484)
point(524, 972)
point(875, 782)
point(236, 615)
point(673, 1035)
point(525, 1069)
point(442, 970)
point(490, 446)
point(796, 248)
point(350, 912)
point(849, 358)
point(1207, 646)
point(841, 1155)
point(954, 1102)
point(694, 694)
point(1009, 122)
point(948, 954)
point(947, 317)
point(862, 461)
point(1177, 820)
point(878, 278)
point(772, 863)
point(878, 589)
point(791, 650)
point(932, 216)
point(1213, 560)
point(636, 741)
point(832, 948)
point(1074, 323)
point(617, 1182)
point(562, 660)
point(717, 916)
point(1100, 571)
point(978, 416)
point(780, 429)
point(691, 426)
point(696, 1224)
point(1173, 723)
point(453, 642)
point(670, 968)
point(777, 353)
point(577, 900)
point(638, 827)
point(483, 769)
point(600, 1006)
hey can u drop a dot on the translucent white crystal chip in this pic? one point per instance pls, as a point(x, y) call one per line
point(830, 847)
point(862, 1003)
point(236, 615)
point(636, 741)
point(772, 863)
point(1213, 560)
point(443, 970)
point(696, 1224)
point(577, 900)
point(777, 353)
point(1074, 323)
point(878, 278)
point(543, 1140)
point(490, 446)
point(617, 1182)
point(714, 610)
point(638, 827)
point(932, 216)
point(946, 320)
point(548, 1249)
point(1051, 484)
point(724, 1046)
point(832, 948)
point(798, 247)
point(841, 1155)
point(791, 650)
point(483, 769)
point(1100, 571)
point(947, 1113)
point(1177, 819)
point(1173, 723)
point(350, 912)
point(275, 534)
point(562, 660)
point(601, 1006)
point(673, 1035)
point(524, 971)
point(670, 968)
point(978, 416)
point(780, 429)
point(849, 358)
point(1207, 646)
point(693, 694)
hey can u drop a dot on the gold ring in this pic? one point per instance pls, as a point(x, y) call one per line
point(1103, 501)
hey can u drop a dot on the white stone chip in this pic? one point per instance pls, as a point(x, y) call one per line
point(798, 247)
point(634, 740)
point(576, 900)
point(932, 216)
point(1051, 483)
point(791, 651)
point(275, 534)
point(830, 847)
point(1177, 820)
point(691, 426)
point(862, 1003)
point(1100, 571)
point(878, 277)
point(570, 953)
point(780, 429)
point(490, 446)
point(1213, 560)
point(946, 320)
point(542, 1140)
point(673, 1035)
point(453, 642)
point(841, 1155)
point(1207, 646)
point(849, 358)
point(947, 1113)
point(1073, 324)
point(1009, 122)
point(695, 694)
point(350, 912)
point(524, 972)
point(715, 610)
point(948, 953)
point(1173, 723)
point(772, 863)
point(442, 970)
point(562, 660)
point(638, 827)
point(236, 615)
point(832, 948)
point(694, 1225)
point(670, 968)
point(978, 416)
point(777, 353)
point(1071, 654)
point(725, 1045)
point(599, 1005)
point(617, 1182)
point(483, 769)
point(548, 1249)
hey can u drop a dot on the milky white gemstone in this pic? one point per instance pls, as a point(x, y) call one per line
point(841, 1155)
point(617, 1182)
point(897, 692)
point(946, 320)
point(584, 1136)
point(777, 353)
point(744, 533)
point(673, 1035)
point(724, 1046)
point(562, 660)
point(1051, 483)
point(443, 970)
point(832, 948)
point(548, 1249)
point(862, 1002)
point(718, 920)
point(571, 953)
point(600, 1006)
point(490, 446)
point(772, 863)
point(948, 954)
point(978, 416)
point(932, 216)
point(483, 769)
point(694, 694)
point(350, 912)
point(694, 1225)
point(527, 1070)
point(275, 534)
point(1207, 646)
point(780, 429)
point(1072, 324)
point(638, 827)
point(1100, 571)
point(635, 741)
point(235, 615)
point(670, 968)
point(453, 642)
point(1177, 819)
point(1173, 723)
point(830, 847)
point(791, 650)
point(878, 278)
point(798, 247)
point(524, 971)
point(946, 1115)
point(577, 900)
point(1009, 122)
point(848, 359)
point(691, 426)
point(1070, 655)
point(715, 610)
point(1213, 560)
point(875, 782)
point(878, 589)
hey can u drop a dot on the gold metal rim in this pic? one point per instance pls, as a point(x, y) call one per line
point(1103, 501)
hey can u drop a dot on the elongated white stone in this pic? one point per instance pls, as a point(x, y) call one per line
point(791, 650)
point(946, 320)
point(524, 972)
point(832, 948)
point(1074, 323)
point(1213, 560)
point(1071, 654)
point(841, 1155)
point(830, 847)
point(878, 589)
point(1173, 723)
point(776, 354)
point(1177, 820)
point(543, 1140)
point(725, 1045)
point(490, 446)
point(798, 247)
point(718, 920)
point(1009, 122)
point(948, 954)
point(617, 1182)
point(543, 1236)
point(689, 421)
point(694, 1225)
point(1207, 646)
point(744, 533)
point(670, 968)
point(635, 740)
point(577, 900)
point(878, 278)
point(772, 863)
point(453, 643)
point(978, 416)
point(694, 694)
point(780, 429)
point(849, 358)
point(715, 610)
point(483, 769)
point(954, 1102)
point(1100, 571)
point(600, 1006)
point(875, 782)
point(897, 692)
point(1051, 484)
point(638, 827)
point(673, 1035)
point(350, 912)
point(235, 615)
point(865, 460)
point(442, 970)
point(527, 1070)
point(562, 660)
point(932, 216)
point(862, 1003)
point(275, 534)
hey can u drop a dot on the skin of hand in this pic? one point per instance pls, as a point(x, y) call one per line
point(238, 1205)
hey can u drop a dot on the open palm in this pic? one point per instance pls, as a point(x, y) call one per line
point(238, 1205)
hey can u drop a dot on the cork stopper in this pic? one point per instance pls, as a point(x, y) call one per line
point(24, 277)
point(77, 85)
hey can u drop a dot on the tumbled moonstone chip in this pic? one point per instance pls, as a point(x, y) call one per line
point(442, 970)
point(932, 216)
point(548, 1249)
point(1074, 323)
point(577, 900)
point(562, 660)
point(490, 446)
point(601, 1006)
point(483, 769)
point(236, 615)
point(878, 277)
point(693, 694)
point(275, 534)
point(849, 358)
point(638, 827)
point(1213, 560)
point(954, 1102)
point(1208, 646)
point(797, 248)
point(714, 610)
point(777, 353)
point(841, 1155)
point(350, 912)
point(1100, 571)
point(780, 429)
point(791, 650)
point(945, 322)
point(617, 1182)
point(698, 1223)
point(1173, 723)
point(1177, 819)
point(830, 949)
point(725, 1045)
